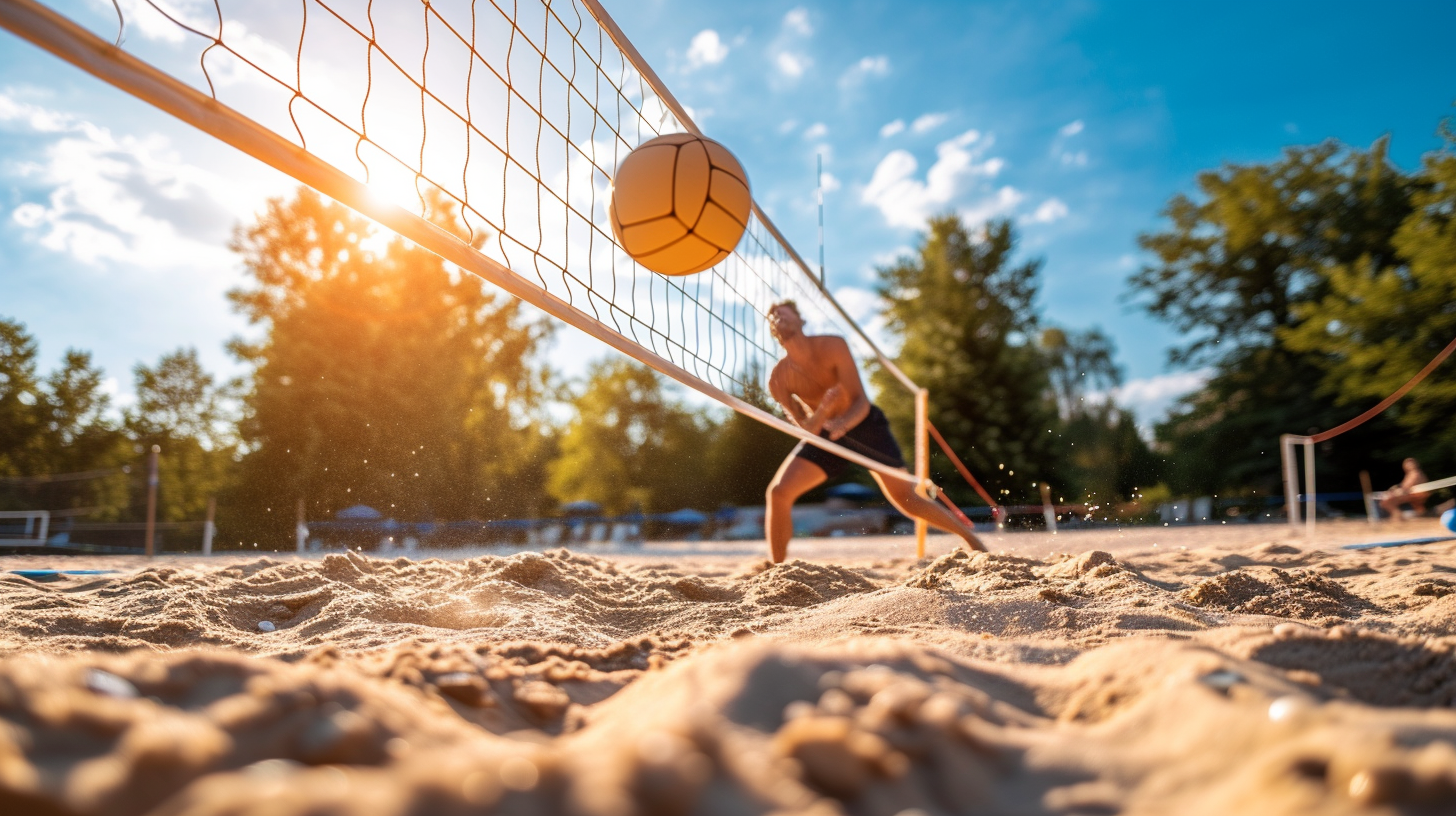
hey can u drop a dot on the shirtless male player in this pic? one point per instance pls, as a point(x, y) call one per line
point(818, 384)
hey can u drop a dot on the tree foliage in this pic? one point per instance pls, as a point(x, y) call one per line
point(965, 316)
point(1237, 271)
point(183, 411)
point(383, 376)
point(1102, 457)
point(55, 424)
point(629, 446)
point(1382, 319)
point(744, 453)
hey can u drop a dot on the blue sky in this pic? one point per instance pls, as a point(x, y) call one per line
point(1077, 119)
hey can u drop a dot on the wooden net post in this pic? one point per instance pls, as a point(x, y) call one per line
point(1309, 496)
point(1291, 480)
point(152, 480)
point(922, 463)
point(1372, 512)
point(1048, 510)
point(209, 528)
point(300, 530)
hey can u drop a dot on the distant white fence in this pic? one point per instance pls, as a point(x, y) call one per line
point(24, 526)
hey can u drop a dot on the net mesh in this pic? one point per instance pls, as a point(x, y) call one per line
point(517, 113)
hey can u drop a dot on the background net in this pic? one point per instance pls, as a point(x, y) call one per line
point(517, 113)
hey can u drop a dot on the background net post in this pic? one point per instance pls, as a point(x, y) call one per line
point(922, 463)
point(209, 527)
point(1309, 487)
point(1291, 480)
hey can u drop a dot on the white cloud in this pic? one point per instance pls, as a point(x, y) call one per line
point(818, 130)
point(797, 22)
point(787, 126)
point(906, 201)
point(1050, 210)
point(891, 128)
point(791, 64)
point(1001, 202)
point(874, 66)
point(863, 306)
point(125, 200)
point(706, 48)
point(111, 387)
point(1060, 151)
point(1152, 397)
point(829, 182)
point(928, 122)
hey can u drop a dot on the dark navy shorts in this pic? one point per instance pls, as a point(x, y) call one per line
point(871, 438)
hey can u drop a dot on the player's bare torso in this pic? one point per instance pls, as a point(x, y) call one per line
point(810, 376)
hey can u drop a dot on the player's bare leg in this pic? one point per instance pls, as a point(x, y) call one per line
point(794, 478)
point(902, 494)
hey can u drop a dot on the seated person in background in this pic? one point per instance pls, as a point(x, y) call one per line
point(1401, 493)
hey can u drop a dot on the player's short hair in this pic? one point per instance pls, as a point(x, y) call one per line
point(788, 303)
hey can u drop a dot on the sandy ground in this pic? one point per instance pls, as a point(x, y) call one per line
point(1211, 670)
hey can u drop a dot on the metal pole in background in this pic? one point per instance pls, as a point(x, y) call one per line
point(152, 481)
point(819, 191)
point(300, 532)
point(1291, 480)
point(209, 529)
point(1309, 496)
point(1048, 510)
point(922, 463)
point(1372, 513)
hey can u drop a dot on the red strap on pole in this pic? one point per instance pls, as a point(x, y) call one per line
point(944, 499)
point(965, 472)
point(1385, 403)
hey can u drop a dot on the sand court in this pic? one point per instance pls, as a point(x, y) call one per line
point(1237, 671)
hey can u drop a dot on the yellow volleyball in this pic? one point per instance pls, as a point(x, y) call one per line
point(679, 204)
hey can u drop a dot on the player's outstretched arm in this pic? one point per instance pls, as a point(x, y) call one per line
point(791, 406)
point(852, 392)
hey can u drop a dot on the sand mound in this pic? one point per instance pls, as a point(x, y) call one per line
point(1374, 669)
point(1144, 683)
point(1270, 591)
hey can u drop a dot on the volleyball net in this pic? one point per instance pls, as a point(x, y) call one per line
point(486, 131)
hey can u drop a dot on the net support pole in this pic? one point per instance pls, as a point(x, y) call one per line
point(152, 480)
point(1291, 480)
point(1309, 496)
point(209, 529)
point(1367, 492)
point(300, 531)
point(1048, 510)
point(922, 463)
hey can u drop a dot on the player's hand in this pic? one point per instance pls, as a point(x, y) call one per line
point(836, 428)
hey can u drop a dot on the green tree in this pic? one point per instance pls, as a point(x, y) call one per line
point(1234, 271)
point(181, 409)
point(966, 318)
point(56, 424)
point(1381, 319)
point(20, 391)
point(1103, 458)
point(630, 446)
point(383, 376)
point(745, 453)
point(1079, 364)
